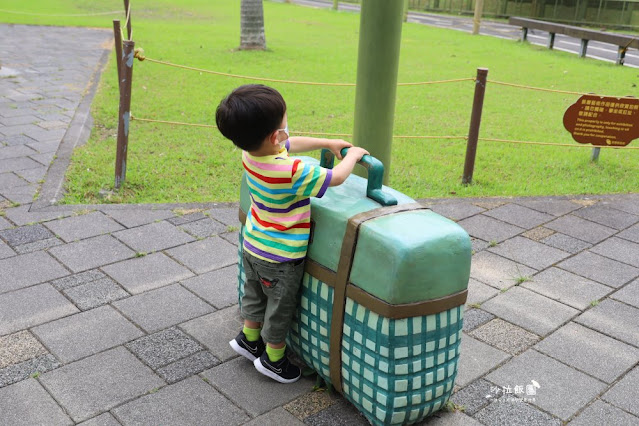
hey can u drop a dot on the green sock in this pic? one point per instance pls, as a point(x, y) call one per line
point(252, 334)
point(275, 355)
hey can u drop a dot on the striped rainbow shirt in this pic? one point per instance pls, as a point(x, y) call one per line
point(279, 222)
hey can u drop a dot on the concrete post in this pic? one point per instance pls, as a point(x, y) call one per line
point(377, 64)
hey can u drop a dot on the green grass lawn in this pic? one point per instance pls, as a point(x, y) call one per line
point(179, 164)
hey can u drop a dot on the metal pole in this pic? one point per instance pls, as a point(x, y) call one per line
point(128, 21)
point(583, 48)
point(479, 7)
point(117, 35)
point(594, 157)
point(377, 64)
point(124, 114)
point(621, 54)
point(475, 122)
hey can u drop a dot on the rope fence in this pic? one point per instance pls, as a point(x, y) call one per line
point(126, 52)
point(210, 126)
point(539, 89)
point(139, 54)
point(569, 145)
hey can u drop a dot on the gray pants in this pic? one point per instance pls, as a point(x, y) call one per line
point(271, 295)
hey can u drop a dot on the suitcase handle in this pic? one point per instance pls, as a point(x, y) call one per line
point(375, 170)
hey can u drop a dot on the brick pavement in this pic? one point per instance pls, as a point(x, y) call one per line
point(122, 314)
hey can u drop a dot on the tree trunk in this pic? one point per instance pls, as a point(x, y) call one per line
point(252, 25)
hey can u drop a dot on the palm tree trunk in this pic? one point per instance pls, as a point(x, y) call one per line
point(252, 25)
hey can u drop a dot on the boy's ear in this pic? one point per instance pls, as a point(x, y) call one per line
point(272, 138)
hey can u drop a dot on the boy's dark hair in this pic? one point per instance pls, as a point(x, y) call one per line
point(249, 114)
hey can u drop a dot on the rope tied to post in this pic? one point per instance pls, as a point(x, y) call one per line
point(440, 137)
point(141, 57)
point(139, 54)
point(522, 86)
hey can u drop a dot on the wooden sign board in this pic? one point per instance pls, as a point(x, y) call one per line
point(603, 121)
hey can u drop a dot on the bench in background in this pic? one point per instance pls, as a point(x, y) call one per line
point(624, 42)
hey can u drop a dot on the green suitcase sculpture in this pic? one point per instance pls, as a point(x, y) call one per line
point(382, 299)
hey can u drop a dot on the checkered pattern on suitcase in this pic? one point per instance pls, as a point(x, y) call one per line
point(399, 371)
point(396, 371)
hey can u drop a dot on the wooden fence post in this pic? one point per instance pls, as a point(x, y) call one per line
point(124, 114)
point(117, 35)
point(475, 122)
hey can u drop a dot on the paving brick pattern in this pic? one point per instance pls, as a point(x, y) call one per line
point(96, 293)
point(78, 336)
point(162, 348)
point(631, 234)
point(83, 226)
point(122, 314)
point(505, 411)
point(6, 251)
point(528, 252)
point(18, 402)
point(153, 237)
point(147, 272)
point(554, 378)
point(479, 292)
point(519, 216)
point(583, 348)
point(565, 243)
point(19, 347)
point(505, 336)
point(476, 396)
point(567, 288)
point(187, 402)
point(473, 318)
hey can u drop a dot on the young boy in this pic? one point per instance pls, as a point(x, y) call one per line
point(277, 226)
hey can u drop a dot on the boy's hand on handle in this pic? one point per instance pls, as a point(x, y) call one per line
point(357, 153)
point(343, 169)
point(336, 146)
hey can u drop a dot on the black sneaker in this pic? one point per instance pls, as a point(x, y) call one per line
point(249, 350)
point(282, 371)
